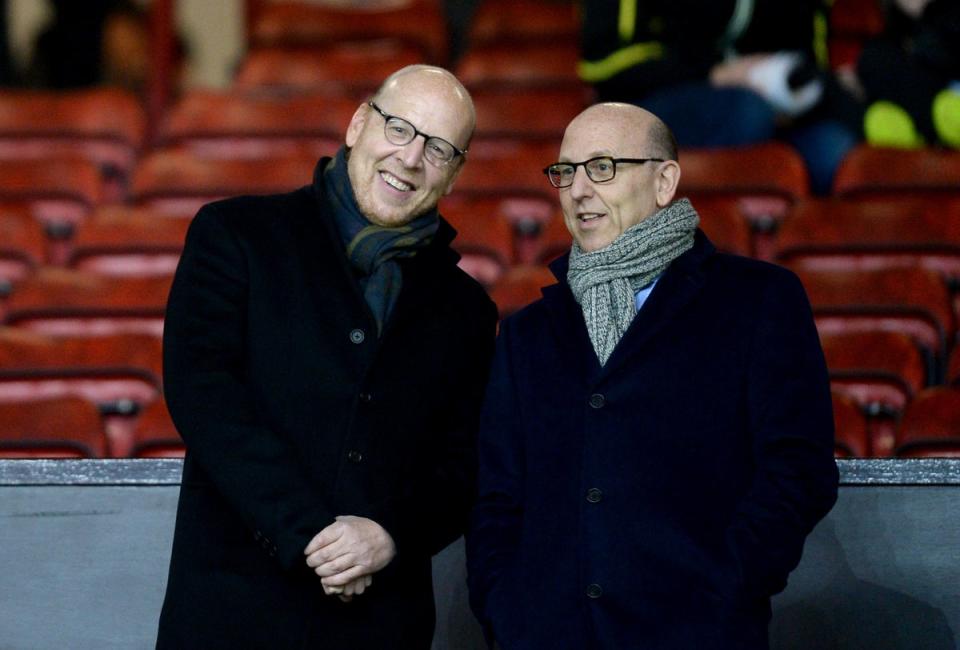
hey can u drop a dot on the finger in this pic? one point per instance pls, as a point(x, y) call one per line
point(341, 579)
point(332, 589)
point(326, 536)
point(345, 599)
point(368, 580)
point(359, 585)
point(325, 567)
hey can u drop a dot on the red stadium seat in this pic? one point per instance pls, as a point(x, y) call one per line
point(871, 234)
point(524, 21)
point(105, 126)
point(352, 70)
point(119, 373)
point(57, 190)
point(953, 370)
point(884, 173)
point(155, 436)
point(765, 179)
point(66, 302)
point(931, 425)
point(868, 234)
point(298, 24)
point(851, 439)
point(65, 427)
point(519, 287)
point(23, 245)
point(522, 65)
point(177, 182)
point(881, 371)
point(121, 240)
point(230, 125)
point(484, 236)
point(533, 113)
point(509, 167)
point(913, 301)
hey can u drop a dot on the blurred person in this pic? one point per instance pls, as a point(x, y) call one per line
point(324, 362)
point(656, 439)
point(726, 73)
point(910, 76)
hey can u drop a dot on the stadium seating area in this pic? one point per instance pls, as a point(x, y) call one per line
point(95, 202)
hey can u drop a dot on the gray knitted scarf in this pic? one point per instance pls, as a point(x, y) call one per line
point(604, 282)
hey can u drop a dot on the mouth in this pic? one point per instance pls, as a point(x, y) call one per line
point(587, 217)
point(397, 183)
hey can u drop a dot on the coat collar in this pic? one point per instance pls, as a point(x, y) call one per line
point(678, 286)
point(419, 272)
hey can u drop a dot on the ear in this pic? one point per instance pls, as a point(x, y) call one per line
point(668, 178)
point(356, 125)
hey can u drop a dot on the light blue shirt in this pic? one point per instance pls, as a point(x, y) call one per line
point(644, 293)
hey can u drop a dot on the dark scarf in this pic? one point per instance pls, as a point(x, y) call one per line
point(373, 250)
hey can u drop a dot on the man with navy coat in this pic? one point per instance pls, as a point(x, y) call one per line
point(656, 440)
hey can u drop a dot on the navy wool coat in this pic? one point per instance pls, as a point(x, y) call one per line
point(294, 411)
point(660, 500)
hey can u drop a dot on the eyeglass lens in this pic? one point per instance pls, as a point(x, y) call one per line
point(401, 132)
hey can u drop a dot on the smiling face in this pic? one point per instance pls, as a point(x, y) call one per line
point(395, 184)
point(597, 213)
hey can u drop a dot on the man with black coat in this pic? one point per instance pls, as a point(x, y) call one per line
point(324, 361)
point(657, 438)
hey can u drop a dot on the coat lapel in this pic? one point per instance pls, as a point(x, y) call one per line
point(678, 286)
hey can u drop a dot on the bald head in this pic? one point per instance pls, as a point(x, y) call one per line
point(637, 129)
point(435, 82)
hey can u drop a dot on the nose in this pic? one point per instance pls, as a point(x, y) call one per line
point(582, 186)
point(412, 153)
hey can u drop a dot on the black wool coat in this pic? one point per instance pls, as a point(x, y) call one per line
point(656, 502)
point(294, 411)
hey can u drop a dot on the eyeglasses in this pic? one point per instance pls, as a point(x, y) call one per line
point(599, 170)
point(400, 132)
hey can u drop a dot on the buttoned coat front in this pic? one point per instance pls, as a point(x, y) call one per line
point(294, 411)
point(656, 502)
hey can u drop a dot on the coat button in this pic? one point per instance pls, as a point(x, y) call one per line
point(354, 456)
point(594, 495)
point(594, 591)
point(356, 336)
point(597, 401)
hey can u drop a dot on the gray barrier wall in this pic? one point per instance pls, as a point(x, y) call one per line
point(84, 547)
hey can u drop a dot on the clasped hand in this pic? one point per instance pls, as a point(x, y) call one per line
point(347, 553)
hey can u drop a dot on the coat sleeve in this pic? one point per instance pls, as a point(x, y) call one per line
point(494, 538)
point(791, 425)
point(209, 397)
point(434, 508)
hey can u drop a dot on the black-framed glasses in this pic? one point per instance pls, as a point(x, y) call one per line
point(600, 169)
point(400, 132)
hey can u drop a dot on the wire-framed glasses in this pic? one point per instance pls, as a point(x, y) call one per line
point(600, 169)
point(400, 132)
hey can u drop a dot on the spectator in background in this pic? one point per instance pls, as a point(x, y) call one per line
point(725, 73)
point(910, 76)
point(90, 43)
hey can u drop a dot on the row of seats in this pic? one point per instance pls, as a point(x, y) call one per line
point(94, 207)
point(421, 24)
